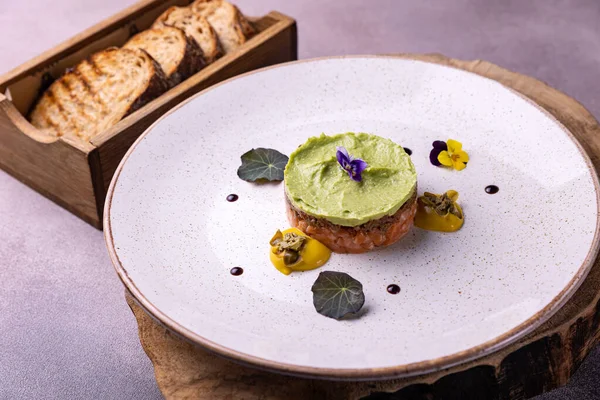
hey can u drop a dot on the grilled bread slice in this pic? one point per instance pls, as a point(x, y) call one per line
point(179, 56)
point(98, 92)
point(196, 27)
point(233, 29)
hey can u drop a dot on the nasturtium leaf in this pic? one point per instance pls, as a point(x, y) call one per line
point(262, 164)
point(336, 294)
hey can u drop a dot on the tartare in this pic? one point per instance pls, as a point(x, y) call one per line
point(348, 209)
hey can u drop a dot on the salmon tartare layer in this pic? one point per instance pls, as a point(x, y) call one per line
point(356, 239)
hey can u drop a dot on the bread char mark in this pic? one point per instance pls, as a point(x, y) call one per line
point(50, 98)
point(68, 89)
point(95, 67)
point(84, 81)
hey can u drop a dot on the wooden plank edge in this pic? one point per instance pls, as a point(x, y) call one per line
point(15, 128)
point(98, 186)
point(18, 121)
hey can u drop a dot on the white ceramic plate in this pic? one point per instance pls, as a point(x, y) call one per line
point(522, 252)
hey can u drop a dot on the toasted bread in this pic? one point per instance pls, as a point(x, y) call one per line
point(194, 26)
point(98, 92)
point(233, 29)
point(178, 55)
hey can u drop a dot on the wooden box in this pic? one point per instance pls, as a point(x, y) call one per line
point(76, 175)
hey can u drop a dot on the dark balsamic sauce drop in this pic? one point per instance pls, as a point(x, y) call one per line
point(236, 271)
point(393, 289)
point(232, 197)
point(408, 151)
point(491, 189)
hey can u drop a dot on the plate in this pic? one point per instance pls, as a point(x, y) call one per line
point(523, 251)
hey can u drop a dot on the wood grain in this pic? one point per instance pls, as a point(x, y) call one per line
point(76, 175)
point(543, 360)
point(59, 169)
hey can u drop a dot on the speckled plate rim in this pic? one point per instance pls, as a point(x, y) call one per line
point(407, 370)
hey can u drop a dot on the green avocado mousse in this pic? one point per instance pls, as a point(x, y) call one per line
point(351, 191)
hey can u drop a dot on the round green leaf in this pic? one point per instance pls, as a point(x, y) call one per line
point(336, 294)
point(262, 164)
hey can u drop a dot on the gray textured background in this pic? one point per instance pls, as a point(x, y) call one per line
point(65, 330)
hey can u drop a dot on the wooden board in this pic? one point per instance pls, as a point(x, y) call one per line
point(543, 360)
point(75, 174)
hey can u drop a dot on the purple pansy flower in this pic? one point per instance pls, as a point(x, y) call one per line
point(438, 147)
point(353, 166)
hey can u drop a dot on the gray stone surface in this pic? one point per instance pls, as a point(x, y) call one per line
point(65, 329)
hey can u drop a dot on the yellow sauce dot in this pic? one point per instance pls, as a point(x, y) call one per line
point(427, 218)
point(313, 255)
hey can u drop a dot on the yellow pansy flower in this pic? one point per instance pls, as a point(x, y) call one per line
point(455, 156)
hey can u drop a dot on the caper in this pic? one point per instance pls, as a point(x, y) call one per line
point(277, 238)
point(290, 257)
point(441, 204)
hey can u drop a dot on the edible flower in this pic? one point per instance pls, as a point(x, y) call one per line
point(449, 154)
point(438, 147)
point(353, 166)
